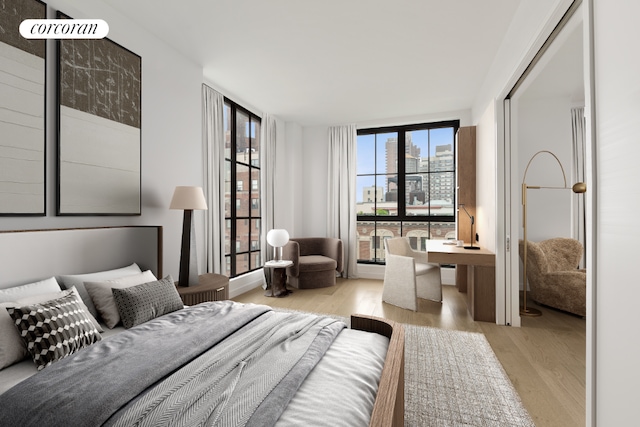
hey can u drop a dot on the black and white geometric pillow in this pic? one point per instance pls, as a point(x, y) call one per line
point(54, 329)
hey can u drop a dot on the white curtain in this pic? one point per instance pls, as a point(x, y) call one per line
point(341, 214)
point(214, 170)
point(267, 178)
point(578, 129)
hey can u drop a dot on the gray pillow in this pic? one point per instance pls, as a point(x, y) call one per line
point(141, 303)
point(54, 329)
point(102, 296)
point(77, 280)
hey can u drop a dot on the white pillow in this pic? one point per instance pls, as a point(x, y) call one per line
point(12, 346)
point(77, 280)
point(102, 295)
point(43, 286)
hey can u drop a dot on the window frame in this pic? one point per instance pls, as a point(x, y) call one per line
point(233, 251)
point(402, 219)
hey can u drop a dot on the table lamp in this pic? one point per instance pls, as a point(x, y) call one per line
point(277, 238)
point(473, 221)
point(188, 199)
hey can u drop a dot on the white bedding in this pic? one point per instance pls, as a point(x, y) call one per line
point(346, 377)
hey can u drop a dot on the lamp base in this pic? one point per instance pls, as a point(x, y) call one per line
point(530, 312)
point(471, 247)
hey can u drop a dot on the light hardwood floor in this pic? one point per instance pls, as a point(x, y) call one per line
point(545, 358)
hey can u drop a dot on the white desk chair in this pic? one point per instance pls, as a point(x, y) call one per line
point(408, 275)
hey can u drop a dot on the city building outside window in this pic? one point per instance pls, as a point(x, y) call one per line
point(405, 186)
point(242, 200)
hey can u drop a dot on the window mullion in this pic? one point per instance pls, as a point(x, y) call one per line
point(234, 192)
point(402, 181)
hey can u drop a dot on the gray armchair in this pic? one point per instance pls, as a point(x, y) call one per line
point(316, 260)
point(553, 274)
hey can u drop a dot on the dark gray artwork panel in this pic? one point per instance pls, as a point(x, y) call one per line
point(99, 101)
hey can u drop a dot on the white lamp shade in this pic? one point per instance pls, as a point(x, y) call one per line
point(188, 198)
point(277, 237)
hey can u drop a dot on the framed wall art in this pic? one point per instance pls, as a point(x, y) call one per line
point(22, 112)
point(99, 128)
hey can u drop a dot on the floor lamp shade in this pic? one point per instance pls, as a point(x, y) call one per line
point(579, 188)
point(188, 199)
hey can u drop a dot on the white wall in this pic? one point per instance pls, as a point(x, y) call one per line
point(313, 179)
point(291, 186)
point(617, 105)
point(545, 124)
point(530, 21)
point(171, 129)
point(486, 170)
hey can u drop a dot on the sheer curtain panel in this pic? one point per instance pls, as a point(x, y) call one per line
point(213, 135)
point(341, 214)
point(267, 187)
point(267, 170)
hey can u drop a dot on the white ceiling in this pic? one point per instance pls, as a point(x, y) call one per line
point(335, 61)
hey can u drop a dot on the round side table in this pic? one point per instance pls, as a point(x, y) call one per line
point(278, 286)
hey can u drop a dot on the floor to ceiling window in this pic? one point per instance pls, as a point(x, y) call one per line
point(242, 190)
point(405, 186)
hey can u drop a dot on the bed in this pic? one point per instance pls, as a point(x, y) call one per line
point(160, 362)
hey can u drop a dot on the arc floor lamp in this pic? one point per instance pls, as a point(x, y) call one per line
point(579, 187)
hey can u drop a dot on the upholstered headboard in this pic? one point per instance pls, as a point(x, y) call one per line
point(31, 255)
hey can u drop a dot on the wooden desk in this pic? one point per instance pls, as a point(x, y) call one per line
point(479, 282)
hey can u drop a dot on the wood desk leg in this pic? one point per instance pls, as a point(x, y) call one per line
point(461, 278)
point(481, 293)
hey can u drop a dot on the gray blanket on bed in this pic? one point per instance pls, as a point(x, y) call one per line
point(197, 374)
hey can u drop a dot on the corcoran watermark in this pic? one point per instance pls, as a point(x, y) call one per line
point(64, 29)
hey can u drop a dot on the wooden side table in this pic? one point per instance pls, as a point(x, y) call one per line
point(278, 286)
point(212, 287)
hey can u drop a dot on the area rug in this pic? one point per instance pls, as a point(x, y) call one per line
point(453, 378)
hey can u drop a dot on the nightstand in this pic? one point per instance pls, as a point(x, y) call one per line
point(212, 287)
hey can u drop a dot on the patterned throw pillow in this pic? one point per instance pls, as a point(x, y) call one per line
point(141, 303)
point(54, 329)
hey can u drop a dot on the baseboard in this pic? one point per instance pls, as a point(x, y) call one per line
point(372, 271)
point(245, 283)
point(448, 275)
